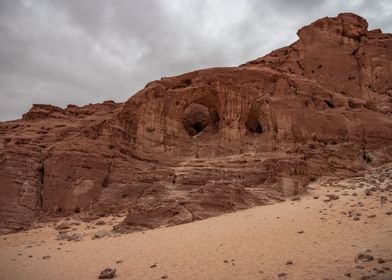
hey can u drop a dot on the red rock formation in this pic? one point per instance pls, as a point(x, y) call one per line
point(210, 141)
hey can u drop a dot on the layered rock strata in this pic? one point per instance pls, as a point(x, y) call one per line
point(211, 141)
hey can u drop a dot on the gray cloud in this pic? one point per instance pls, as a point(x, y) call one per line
point(82, 51)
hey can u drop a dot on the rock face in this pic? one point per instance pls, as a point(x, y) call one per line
point(210, 141)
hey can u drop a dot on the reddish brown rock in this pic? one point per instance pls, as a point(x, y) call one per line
point(210, 141)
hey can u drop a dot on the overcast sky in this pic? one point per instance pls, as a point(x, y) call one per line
point(87, 51)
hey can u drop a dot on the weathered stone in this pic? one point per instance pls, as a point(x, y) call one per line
point(108, 273)
point(63, 226)
point(332, 196)
point(364, 257)
point(211, 141)
point(101, 234)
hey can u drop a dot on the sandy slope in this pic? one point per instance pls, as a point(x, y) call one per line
point(250, 244)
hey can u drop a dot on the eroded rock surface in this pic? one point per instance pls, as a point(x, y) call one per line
point(210, 141)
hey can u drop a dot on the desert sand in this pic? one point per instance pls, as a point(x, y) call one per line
point(311, 237)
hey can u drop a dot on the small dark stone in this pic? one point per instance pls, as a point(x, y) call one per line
point(101, 234)
point(100, 223)
point(380, 260)
point(332, 196)
point(62, 226)
point(45, 257)
point(300, 232)
point(289, 263)
point(348, 274)
point(383, 199)
point(108, 273)
point(378, 270)
point(74, 237)
point(364, 257)
point(316, 197)
point(164, 276)
point(388, 213)
point(282, 274)
point(154, 265)
point(370, 191)
point(119, 261)
point(385, 268)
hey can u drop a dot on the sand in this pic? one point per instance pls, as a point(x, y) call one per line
point(319, 239)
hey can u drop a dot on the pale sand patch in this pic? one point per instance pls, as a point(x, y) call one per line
point(250, 244)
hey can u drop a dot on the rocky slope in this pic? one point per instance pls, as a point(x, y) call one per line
point(210, 141)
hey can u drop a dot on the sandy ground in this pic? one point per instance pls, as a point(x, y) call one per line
point(321, 239)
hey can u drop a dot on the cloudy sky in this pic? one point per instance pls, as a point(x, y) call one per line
point(86, 51)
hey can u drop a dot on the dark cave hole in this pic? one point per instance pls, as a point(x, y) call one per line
point(196, 118)
point(198, 127)
point(366, 157)
point(329, 104)
point(254, 126)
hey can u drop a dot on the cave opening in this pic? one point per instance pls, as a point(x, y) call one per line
point(198, 127)
point(253, 124)
point(196, 118)
point(254, 127)
point(329, 104)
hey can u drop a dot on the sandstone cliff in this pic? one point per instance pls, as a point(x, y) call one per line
point(210, 141)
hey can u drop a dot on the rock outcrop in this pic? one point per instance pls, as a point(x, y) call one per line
point(210, 141)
